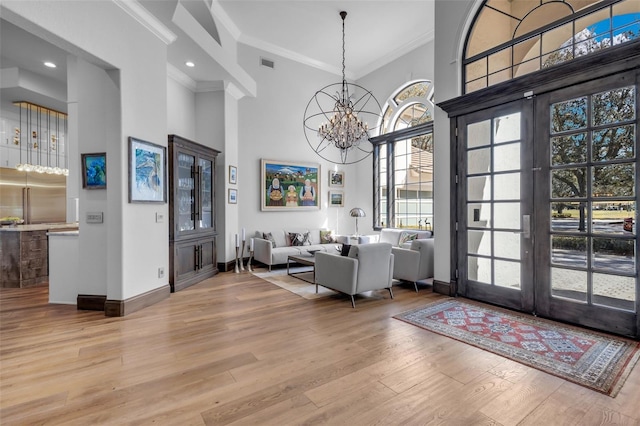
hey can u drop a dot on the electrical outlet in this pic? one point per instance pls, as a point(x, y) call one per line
point(160, 272)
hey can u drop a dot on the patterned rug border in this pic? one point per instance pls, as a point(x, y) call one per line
point(612, 383)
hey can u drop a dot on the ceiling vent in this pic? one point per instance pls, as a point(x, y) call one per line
point(267, 63)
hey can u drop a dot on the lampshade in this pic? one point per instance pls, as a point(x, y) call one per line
point(357, 212)
point(338, 119)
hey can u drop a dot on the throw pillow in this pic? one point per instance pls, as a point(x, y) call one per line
point(326, 237)
point(299, 239)
point(269, 236)
point(345, 250)
point(406, 236)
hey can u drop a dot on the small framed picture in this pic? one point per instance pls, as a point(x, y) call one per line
point(233, 196)
point(94, 170)
point(336, 178)
point(336, 199)
point(233, 174)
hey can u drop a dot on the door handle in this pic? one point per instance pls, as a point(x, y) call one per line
point(526, 226)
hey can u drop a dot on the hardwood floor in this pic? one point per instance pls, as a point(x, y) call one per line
point(235, 349)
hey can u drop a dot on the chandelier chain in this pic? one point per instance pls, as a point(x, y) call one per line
point(343, 50)
point(344, 130)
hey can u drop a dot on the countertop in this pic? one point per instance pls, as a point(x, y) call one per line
point(64, 233)
point(40, 227)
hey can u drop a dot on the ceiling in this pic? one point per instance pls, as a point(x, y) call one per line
point(307, 31)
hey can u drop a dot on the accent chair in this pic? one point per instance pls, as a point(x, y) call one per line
point(415, 263)
point(367, 267)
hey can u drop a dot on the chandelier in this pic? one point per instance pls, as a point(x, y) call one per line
point(41, 139)
point(333, 123)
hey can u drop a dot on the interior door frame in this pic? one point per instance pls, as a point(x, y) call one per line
point(522, 300)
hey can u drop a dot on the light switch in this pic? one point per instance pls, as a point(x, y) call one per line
point(159, 217)
point(94, 217)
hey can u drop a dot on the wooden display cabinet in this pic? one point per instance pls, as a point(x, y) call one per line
point(192, 221)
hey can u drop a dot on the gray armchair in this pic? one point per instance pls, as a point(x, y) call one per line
point(367, 267)
point(414, 264)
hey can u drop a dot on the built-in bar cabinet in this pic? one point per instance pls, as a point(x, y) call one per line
point(192, 219)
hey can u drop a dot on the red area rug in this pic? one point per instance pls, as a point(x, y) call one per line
point(595, 360)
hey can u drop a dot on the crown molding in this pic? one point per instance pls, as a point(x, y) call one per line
point(180, 77)
point(144, 17)
point(209, 86)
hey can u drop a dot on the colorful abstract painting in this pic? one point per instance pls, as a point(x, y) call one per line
point(94, 171)
point(147, 172)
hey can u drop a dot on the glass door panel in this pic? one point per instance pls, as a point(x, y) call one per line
point(186, 192)
point(494, 230)
point(587, 254)
point(206, 193)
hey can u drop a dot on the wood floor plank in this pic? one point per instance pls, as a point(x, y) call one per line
point(514, 405)
point(235, 349)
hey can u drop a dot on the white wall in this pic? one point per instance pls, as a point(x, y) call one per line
point(136, 245)
point(209, 119)
point(270, 127)
point(451, 20)
point(93, 97)
point(181, 110)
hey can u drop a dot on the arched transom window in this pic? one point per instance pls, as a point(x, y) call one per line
point(512, 38)
point(403, 159)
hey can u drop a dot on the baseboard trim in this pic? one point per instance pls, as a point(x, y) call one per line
point(90, 302)
point(231, 265)
point(442, 287)
point(120, 308)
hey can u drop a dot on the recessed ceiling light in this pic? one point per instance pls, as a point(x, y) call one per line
point(49, 64)
point(190, 64)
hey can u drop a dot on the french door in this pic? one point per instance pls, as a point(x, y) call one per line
point(495, 176)
point(547, 211)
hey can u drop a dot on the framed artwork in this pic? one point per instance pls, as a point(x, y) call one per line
point(147, 172)
point(336, 199)
point(336, 178)
point(94, 170)
point(289, 185)
point(233, 174)
point(233, 196)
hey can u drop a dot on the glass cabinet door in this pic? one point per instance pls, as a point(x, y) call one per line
point(205, 168)
point(185, 194)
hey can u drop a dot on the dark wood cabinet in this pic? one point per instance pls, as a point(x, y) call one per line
point(192, 219)
point(24, 256)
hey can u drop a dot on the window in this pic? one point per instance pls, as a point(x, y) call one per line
point(509, 39)
point(403, 159)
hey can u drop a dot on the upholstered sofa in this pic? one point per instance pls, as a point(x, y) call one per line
point(367, 267)
point(402, 237)
point(273, 247)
